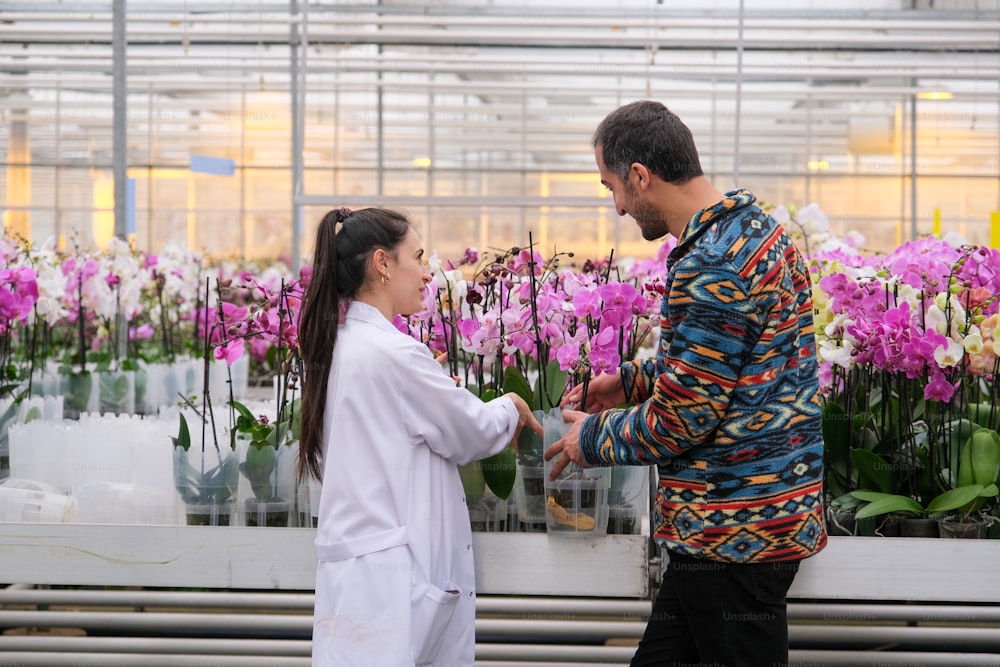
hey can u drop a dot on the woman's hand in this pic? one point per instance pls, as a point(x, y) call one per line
point(524, 418)
point(603, 392)
point(443, 359)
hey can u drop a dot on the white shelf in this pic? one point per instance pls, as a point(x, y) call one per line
point(931, 570)
point(284, 558)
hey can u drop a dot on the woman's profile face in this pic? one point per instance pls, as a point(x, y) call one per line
point(408, 276)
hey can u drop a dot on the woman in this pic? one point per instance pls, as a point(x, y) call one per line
point(384, 427)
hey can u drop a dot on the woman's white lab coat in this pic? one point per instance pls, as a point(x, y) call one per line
point(395, 584)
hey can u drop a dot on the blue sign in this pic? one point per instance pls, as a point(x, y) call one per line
point(130, 206)
point(216, 166)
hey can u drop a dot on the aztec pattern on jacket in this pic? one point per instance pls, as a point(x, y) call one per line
point(733, 418)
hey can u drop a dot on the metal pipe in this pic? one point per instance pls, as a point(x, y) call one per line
point(119, 145)
point(819, 69)
point(587, 630)
point(889, 659)
point(298, 114)
point(155, 645)
point(161, 623)
point(216, 600)
point(739, 99)
point(908, 636)
point(594, 18)
point(285, 625)
point(518, 653)
point(467, 202)
point(869, 613)
point(538, 608)
point(627, 90)
point(913, 167)
point(27, 659)
point(528, 608)
point(546, 663)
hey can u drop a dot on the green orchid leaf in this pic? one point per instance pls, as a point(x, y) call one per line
point(979, 460)
point(846, 501)
point(959, 431)
point(869, 496)
point(834, 484)
point(295, 410)
point(242, 410)
point(515, 382)
point(836, 431)
point(873, 468)
point(954, 499)
point(499, 471)
point(472, 479)
point(80, 386)
point(888, 503)
point(985, 456)
point(183, 439)
point(257, 468)
point(980, 413)
point(555, 385)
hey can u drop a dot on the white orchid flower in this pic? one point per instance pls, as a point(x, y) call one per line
point(781, 215)
point(434, 264)
point(839, 355)
point(934, 318)
point(813, 220)
point(973, 341)
point(459, 286)
point(948, 354)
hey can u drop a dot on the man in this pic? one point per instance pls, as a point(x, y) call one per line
point(728, 411)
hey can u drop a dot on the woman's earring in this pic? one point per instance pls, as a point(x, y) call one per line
point(385, 278)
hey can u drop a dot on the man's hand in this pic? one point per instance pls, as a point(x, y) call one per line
point(568, 445)
point(603, 392)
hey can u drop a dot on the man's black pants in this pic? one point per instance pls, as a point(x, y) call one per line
point(710, 614)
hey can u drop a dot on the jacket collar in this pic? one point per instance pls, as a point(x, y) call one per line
point(361, 311)
point(703, 220)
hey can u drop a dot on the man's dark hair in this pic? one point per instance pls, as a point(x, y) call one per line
point(648, 133)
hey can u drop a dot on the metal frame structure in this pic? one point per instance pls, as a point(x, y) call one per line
point(477, 117)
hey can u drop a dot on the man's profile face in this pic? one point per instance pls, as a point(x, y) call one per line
point(630, 201)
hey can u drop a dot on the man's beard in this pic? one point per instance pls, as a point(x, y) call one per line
point(650, 221)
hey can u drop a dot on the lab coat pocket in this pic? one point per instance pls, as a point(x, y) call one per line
point(432, 613)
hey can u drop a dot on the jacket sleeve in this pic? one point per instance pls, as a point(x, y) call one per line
point(715, 326)
point(639, 378)
point(451, 420)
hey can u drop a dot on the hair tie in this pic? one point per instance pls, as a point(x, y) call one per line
point(342, 214)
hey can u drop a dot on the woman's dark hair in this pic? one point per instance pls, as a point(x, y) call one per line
point(648, 133)
point(340, 262)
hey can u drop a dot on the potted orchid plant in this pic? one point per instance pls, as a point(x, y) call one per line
point(269, 444)
point(18, 296)
point(206, 478)
point(909, 359)
point(516, 322)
